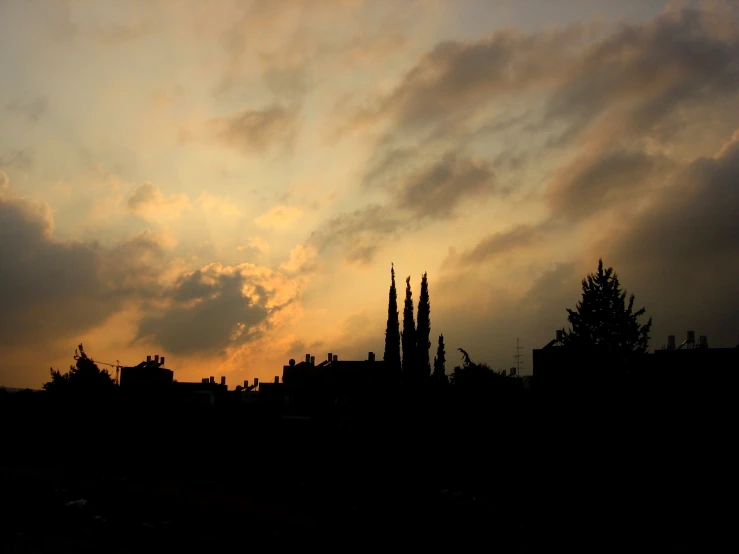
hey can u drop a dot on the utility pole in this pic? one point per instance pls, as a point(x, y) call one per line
point(518, 357)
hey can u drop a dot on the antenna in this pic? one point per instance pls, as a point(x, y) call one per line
point(518, 357)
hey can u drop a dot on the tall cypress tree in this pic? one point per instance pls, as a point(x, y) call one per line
point(423, 330)
point(392, 331)
point(408, 336)
point(440, 361)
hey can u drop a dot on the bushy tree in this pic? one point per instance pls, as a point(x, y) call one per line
point(392, 331)
point(408, 336)
point(476, 377)
point(83, 377)
point(604, 321)
point(423, 330)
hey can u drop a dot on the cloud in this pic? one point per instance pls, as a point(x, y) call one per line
point(279, 217)
point(497, 244)
point(436, 191)
point(457, 80)
point(254, 246)
point(682, 251)
point(676, 59)
point(601, 180)
point(256, 131)
point(53, 290)
point(217, 307)
point(358, 234)
point(148, 200)
point(303, 259)
point(33, 109)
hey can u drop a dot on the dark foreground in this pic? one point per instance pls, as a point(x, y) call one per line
point(516, 474)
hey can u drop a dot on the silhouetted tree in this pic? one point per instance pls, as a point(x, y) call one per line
point(392, 331)
point(440, 361)
point(604, 321)
point(408, 336)
point(423, 330)
point(83, 377)
point(475, 377)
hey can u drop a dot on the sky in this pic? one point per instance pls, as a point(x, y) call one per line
point(227, 183)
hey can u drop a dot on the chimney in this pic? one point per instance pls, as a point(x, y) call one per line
point(246, 383)
point(156, 358)
point(312, 360)
point(330, 357)
point(307, 358)
point(161, 361)
point(370, 356)
point(558, 335)
point(223, 379)
point(671, 342)
point(277, 378)
point(148, 359)
point(212, 380)
point(256, 382)
point(336, 358)
point(204, 381)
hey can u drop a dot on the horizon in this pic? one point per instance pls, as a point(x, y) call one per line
point(227, 186)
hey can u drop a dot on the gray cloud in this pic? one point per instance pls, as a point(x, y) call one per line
point(458, 79)
point(54, 290)
point(358, 234)
point(209, 313)
point(33, 109)
point(257, 130)
point(437, 190)
point(593, 182)
point(213, 308)
point(674, 61)
point(497, 244)
point(683, 252)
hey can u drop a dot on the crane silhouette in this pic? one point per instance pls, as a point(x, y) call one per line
point(81, 354)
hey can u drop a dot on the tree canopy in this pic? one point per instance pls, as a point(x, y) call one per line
point(604, 320)
point(83, 377)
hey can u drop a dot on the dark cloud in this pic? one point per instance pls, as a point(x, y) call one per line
point(257, 130)
point(593, 182)
point(437, 190)
point(683, 252)
point(497, 244)
point(33, 109)
point(674, 61)
point(459, 79)
point(213, 308)
point(209, 312)
point(358, 234)
point(55, 290)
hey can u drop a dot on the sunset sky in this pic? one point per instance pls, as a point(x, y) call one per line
point(226, 183)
